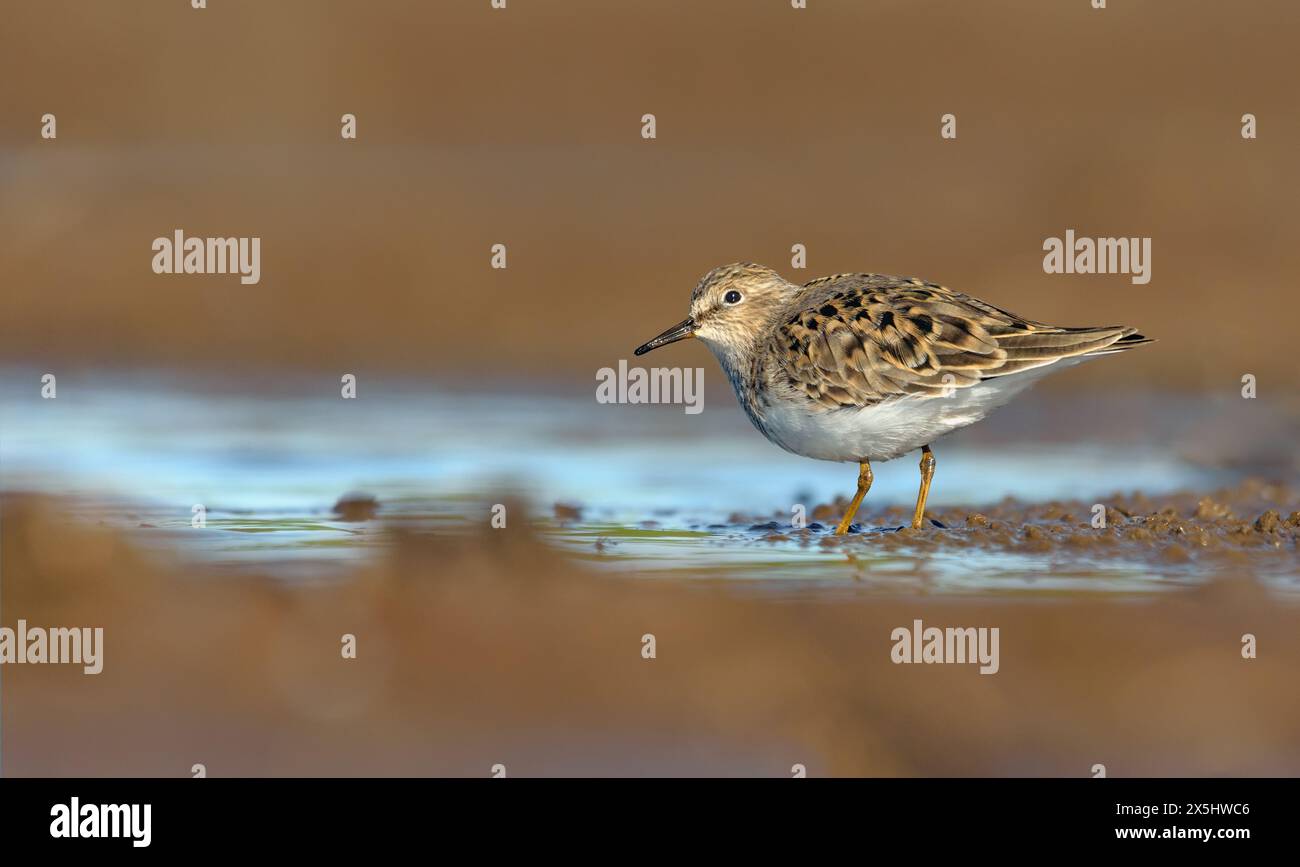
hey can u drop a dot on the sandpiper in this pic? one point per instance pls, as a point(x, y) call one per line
point(867, 367)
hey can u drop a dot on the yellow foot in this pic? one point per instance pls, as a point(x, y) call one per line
point(927, 473)
point(864, 485)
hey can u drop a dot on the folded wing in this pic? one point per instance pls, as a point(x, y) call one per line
point(860, 339)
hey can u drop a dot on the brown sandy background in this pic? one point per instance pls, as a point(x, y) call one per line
point(494, 649)
point(522, 127)
point(775, 126)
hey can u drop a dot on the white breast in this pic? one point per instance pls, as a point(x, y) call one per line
point(889, 429)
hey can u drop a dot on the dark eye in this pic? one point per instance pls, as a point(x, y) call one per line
point(732, 297)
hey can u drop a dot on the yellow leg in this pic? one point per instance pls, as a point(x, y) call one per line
point(927, 473)
point(864, 485)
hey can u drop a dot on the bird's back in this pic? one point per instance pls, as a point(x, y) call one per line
point(854, 340)
point(870, 366)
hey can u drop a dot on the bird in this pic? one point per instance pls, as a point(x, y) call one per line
point(868, 367)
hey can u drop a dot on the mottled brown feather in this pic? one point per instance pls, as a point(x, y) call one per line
point(859, 339)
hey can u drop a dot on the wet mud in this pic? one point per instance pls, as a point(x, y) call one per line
point(1252, 522)
point(495, 647)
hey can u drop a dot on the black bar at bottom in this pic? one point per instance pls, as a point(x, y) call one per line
point(334, 815)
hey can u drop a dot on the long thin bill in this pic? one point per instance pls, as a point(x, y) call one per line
point(680, 331)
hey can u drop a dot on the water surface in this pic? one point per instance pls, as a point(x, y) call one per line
point(645, 490)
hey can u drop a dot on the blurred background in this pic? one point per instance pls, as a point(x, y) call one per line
point(522, 127)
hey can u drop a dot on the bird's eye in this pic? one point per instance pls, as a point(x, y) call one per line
point(732, 297)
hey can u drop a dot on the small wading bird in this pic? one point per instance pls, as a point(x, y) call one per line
point(867, 367)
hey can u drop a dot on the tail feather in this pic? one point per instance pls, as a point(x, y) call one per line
point(1131, 339)
point(1026, 351)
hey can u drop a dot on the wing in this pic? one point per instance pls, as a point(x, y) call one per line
point(859, 339)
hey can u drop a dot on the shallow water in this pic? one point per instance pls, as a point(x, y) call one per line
point(655, 491)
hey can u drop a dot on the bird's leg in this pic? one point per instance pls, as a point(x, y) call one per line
point(864, 485)
point(927, 473)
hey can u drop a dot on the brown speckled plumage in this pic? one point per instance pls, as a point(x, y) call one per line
point(858, 339)
point(866, 367)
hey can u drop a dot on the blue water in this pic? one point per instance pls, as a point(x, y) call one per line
point(157, 441)
point(139, 451)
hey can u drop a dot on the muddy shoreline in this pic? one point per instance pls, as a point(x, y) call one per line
point(1255, 521)
point(495, 647)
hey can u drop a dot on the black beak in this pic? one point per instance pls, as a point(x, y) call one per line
point(680, 331)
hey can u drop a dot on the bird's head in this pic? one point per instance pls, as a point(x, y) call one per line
point(730, 307)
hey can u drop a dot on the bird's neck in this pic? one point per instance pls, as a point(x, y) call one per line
point(738, 363)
